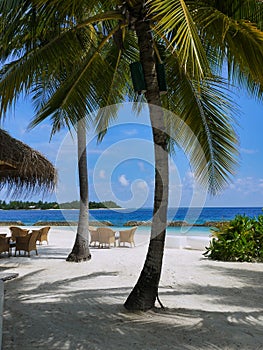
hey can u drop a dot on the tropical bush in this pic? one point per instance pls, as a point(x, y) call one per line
point(240, 239)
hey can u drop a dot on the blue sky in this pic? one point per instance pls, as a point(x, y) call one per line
point(121, 167)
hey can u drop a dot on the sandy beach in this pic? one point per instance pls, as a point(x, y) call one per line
point(54, 304)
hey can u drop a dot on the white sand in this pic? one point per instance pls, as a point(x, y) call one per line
point(54, 304)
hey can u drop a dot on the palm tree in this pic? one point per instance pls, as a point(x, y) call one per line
point(80, 250)
point(65, 50)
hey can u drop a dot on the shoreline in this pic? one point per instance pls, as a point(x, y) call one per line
point(174, 240)
point(178, 223)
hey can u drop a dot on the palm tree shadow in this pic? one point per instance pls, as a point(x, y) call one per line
point(52, 316)
point(48, 252)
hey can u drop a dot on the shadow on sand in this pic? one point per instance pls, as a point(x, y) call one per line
point(53, 316)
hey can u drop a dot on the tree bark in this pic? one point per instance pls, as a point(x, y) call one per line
point(80, 250)
point(145, 292)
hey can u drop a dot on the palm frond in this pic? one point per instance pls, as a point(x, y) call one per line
point(18, 76)
point(66, 57)
point(174, 20)
point(120, 85)
point(203, 127)
point(236, 9)
point(238, 42)
point(80, 92)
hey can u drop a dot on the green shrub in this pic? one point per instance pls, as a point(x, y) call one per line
point(241, 239)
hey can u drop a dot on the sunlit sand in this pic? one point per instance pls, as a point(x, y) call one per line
point(54, 304)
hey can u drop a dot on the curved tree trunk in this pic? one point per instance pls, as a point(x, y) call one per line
point(145, 292)
point(80, 250)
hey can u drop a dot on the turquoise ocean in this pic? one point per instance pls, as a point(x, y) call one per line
point(118, 217)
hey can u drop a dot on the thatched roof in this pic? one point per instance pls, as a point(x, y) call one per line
point(23, 169)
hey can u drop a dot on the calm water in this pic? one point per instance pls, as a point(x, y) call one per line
point(119, 217)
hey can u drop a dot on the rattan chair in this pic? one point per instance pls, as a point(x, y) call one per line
point(106, 237)
point(4, 245)
point(27, 243)
point(43, 234)
point(17, 232)
point(127, 236)
point(94, 236)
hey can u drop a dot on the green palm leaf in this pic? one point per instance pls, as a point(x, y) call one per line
point(194, 39)
point(205, 130)
point(236, 41)
point(175, 22)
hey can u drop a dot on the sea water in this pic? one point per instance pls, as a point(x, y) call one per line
point(118, 217)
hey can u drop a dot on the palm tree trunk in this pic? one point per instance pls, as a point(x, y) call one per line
point(145, 292)
point(80, 250)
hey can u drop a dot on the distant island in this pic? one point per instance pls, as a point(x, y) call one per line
point(15, 205)
point(92, 205)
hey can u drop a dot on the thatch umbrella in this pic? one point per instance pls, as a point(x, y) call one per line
point(22, 168)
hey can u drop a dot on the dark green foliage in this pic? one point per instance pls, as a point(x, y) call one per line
point(239, 240)
point(27, 205)
point(69, 205)
point(54, 205)
point(92, 205)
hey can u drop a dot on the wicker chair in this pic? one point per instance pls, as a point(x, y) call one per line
point(106, 236)
point(127, 236)
point(43, 234)
point(94, 236)
point(27, 243)
point(17, 232)
point(4, 245)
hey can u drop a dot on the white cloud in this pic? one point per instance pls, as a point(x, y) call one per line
point(131, 132)
point(190, 175)
point(248, 151)
point(142, 185)
point(172, 167)
point(123, 181)
point(189, 180)
point(96, 151)
point(141, 166)
point(102, 174)
point(247, 185)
